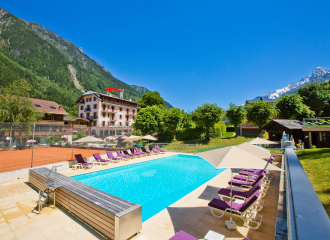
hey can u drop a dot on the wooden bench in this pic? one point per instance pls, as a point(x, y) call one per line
point(112, 216)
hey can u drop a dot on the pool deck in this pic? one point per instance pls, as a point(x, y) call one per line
point(190, 213)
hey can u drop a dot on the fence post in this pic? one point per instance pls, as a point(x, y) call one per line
point(34, 128)
point(71, 141)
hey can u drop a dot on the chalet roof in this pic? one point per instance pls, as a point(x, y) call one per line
point(74, 119)
point(283, 123)
point(48, 106)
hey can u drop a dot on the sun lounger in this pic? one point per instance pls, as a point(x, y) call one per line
point(224, 193)
point(135, 153)
point(248, 184)
point(245, 210)
point(99, 159)
point(81, 161)
point(160, 150)
point(144, 150)
point(112, 158)
point(123, 157)
point(126, 153)
point(181, 235)
point(248, 177)
point(153, 150)
point(137, 150)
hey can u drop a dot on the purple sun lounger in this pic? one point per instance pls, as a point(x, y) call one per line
point(256, 170)
point(160, 150)
point(144, 150)
point(245, 184)
point(137, 150)
point(123, 157)
point(153, 150)
point(256, 173)
point(246, 210)
point(113, 158)
point(100, 159)
point(125, 152)
point(225, 193)
point(246, 178)
point(181, 235)
point(136, 153)
point(81, 161)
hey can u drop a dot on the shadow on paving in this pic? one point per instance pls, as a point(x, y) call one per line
point(73, 217)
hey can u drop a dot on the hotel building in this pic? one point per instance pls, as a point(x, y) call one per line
point(109, 115)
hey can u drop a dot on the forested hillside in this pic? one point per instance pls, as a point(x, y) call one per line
point(55, 68)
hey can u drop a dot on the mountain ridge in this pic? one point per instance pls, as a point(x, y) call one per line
point(318, 74)
point(54, 67)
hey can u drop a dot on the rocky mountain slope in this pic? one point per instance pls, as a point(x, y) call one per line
point(319, 74)
point(55, 68)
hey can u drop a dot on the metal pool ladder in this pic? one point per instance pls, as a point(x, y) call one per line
point(50, 187)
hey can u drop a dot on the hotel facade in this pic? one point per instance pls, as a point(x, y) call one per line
point(108, 115)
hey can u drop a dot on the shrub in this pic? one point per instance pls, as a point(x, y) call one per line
point(313, 146)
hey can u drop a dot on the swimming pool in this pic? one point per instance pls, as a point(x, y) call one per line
point(154, 184)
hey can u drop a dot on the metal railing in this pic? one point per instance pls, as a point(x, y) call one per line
point(306, 216)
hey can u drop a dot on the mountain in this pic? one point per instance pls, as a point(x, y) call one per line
point(319, 74)
point(143, 90)
point(55, 68)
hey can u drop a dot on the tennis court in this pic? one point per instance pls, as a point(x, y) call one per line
point(18, 159)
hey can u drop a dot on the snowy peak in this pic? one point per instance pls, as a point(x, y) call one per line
point(319, 74)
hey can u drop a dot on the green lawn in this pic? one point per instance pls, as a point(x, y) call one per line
point(316, 163)
point(227, 140)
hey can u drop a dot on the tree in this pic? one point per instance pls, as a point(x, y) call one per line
point(17, 109)
point(207, 116)
point(151, 99)
point(292, 107)
point(260, 113)
point(236, 115)
point(317, 97)
point(149, 120)
point(172, 119)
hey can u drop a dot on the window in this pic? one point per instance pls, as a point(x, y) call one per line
point(52, 107)
point(94, 99)
point(87, 114)
point(120, 109)
point(324, 136)
point(81, 107)
point(103, 114)
point(94, 106)
point(37, 105)
point(103, 123)
point(120, 124)
point(120, 117)
point(81, 115)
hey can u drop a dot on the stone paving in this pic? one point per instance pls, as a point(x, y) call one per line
point(191, 214)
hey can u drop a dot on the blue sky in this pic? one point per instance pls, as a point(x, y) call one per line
point(193, 52)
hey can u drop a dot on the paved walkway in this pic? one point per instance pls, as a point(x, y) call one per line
point(191, 214)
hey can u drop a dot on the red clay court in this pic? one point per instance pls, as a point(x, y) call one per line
point(18, 159)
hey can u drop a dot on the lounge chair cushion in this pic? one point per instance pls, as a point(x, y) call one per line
point(247, 194)
point(181, 235)
point(241, 207)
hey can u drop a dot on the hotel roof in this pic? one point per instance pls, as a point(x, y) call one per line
point(98, 96)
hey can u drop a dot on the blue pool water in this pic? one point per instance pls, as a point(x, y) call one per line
point(154, 184)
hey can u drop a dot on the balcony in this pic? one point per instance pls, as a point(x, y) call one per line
point(87, 109)
point(92, 118)
point(119, 104)
point(322, 122)
point(130, 113)
point(82, 102)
